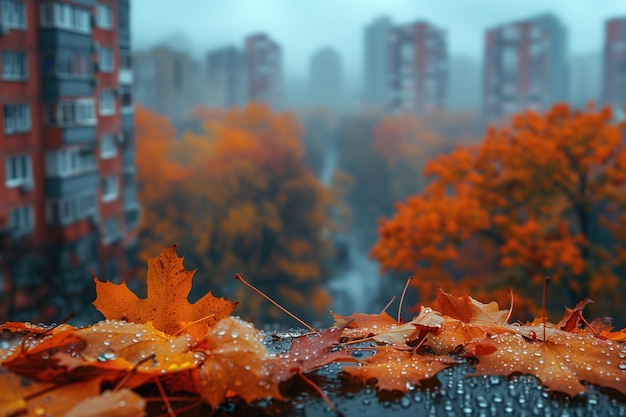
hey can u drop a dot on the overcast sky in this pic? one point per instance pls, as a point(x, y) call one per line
point(303, 26)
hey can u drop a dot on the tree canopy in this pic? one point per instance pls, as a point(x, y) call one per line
point(540, 198)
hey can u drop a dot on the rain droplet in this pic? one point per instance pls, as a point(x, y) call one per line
point(107, 355)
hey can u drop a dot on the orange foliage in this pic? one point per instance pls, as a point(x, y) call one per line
point(240, 198)
point(538, 193)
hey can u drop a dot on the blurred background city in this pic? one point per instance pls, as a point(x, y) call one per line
point(268, 138)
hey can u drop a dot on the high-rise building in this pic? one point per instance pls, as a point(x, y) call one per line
point(325, 79)
point(67, 181)
point(165, 82)
point(614, 80)
point(375, 64)
point(265, 75)
point(227, 77)
point(417, 68)
point(525, 66)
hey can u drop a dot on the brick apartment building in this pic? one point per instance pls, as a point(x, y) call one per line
point(614, 69)
point(265, 75)
point(417, 60)
point(525, 66)
point(67, 177)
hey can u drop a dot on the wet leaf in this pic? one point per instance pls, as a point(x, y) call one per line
point(166, 305)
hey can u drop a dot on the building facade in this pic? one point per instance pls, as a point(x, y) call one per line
point(525, 66)
point(227, 78)
point(265, 74)
point(326, 83)
point(67, 185)
point(417, 68)
point(166, 82)
point(614, 68)
point(375, 63)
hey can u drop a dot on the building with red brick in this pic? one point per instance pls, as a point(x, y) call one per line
point(265, 75)
point(417, 59)
point(67, 177)
point(525, 66)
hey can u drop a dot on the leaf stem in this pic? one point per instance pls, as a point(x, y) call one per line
point(284, 310)
point(406, 286)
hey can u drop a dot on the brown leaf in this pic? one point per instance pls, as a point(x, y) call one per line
point(122, 403)
point(236, 361)
point(571, 319)
point(398, 370)
point(166, 305)
point(560, 363)
point(312, 351)
point(470, 310)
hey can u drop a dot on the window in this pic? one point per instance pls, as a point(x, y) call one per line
point(127, 100)
point(107, 102)
point(65, 16)
point(110, 230)
point(14, 66)
point(105, 59)
point(72, 209)
point(126, 60)
point(109, 188)
point(79, 112)
point(66, 63)
point(21, 220)
point(68, 162)
point(13, 14)
point(16, 118)
point(18, 170)
point(107, 146)
point(104, 16)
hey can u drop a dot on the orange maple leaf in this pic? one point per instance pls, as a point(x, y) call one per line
point(560, 363)
point(166, 305)
point(469, 310)
point(236, 362)
point(398, 370)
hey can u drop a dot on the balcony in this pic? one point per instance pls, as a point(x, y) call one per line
point(62, 187)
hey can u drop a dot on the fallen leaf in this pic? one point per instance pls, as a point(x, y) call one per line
point(235, 360)
point(398, 370)
point(469, 310)
point(166, 305)
point(572, 317)
point(122, 403)
point(312, 351)
point(359, 326)
point(560, 363)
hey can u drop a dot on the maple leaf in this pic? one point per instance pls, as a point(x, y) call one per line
point(310, 352)
point(571, 319)
point(20, 396)
point(359, 325)
point(385, 329)
point(166, 305)
point(235, 360)
point(469, 310)
point(398, 370)
point(560, 363)
point(122, 403)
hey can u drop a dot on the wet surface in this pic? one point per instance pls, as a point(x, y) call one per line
point(450, 393)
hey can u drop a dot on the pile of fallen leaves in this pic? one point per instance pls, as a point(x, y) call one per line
point(195, 355)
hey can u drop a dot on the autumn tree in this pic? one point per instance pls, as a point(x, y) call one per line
point(239, 199)
point(540, 198)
